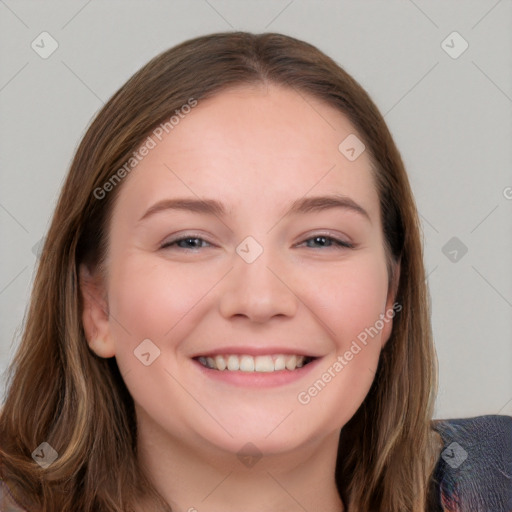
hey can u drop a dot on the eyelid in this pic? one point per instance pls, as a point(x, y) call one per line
point(328, 234)
point(183, 236)
point(339, 239)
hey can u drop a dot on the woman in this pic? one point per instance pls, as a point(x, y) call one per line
point(230, 311)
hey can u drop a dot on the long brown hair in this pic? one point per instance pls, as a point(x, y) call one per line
point(60, 392)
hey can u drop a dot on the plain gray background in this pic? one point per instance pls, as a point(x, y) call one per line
point(450, 114)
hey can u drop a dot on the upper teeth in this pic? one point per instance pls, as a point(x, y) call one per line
point(247, 363)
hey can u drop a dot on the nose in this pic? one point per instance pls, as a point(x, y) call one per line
point(258, 291)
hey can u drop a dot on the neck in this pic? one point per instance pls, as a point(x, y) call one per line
point(207, 479)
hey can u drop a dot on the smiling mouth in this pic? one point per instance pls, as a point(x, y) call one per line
point(261, 364)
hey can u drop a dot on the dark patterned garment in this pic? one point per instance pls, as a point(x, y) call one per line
point(473, 474)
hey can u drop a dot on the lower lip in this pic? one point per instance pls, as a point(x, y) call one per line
point(258, 379)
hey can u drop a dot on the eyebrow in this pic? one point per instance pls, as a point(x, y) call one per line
point(299, 206)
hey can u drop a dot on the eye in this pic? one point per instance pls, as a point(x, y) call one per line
point(320, 241)
point(186, 242)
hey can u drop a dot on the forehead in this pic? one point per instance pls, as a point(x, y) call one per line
point(267, 144)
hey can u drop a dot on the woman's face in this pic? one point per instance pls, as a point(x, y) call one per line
point(247, 231)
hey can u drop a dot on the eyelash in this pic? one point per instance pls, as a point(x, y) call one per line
point(340, 244)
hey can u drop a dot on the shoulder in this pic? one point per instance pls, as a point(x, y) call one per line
point(7, 501)
point(474, 471)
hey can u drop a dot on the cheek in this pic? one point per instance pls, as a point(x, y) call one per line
point(155, 299)
point(349, 299)
point(350, 307)
point(348, 302)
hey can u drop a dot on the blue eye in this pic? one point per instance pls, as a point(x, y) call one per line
point(315, 242)
point(187, 242)
point(321, 241)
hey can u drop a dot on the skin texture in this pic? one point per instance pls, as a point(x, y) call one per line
point(255, 149)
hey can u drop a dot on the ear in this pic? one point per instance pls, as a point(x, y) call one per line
point(95, 313)
point(391, 307)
